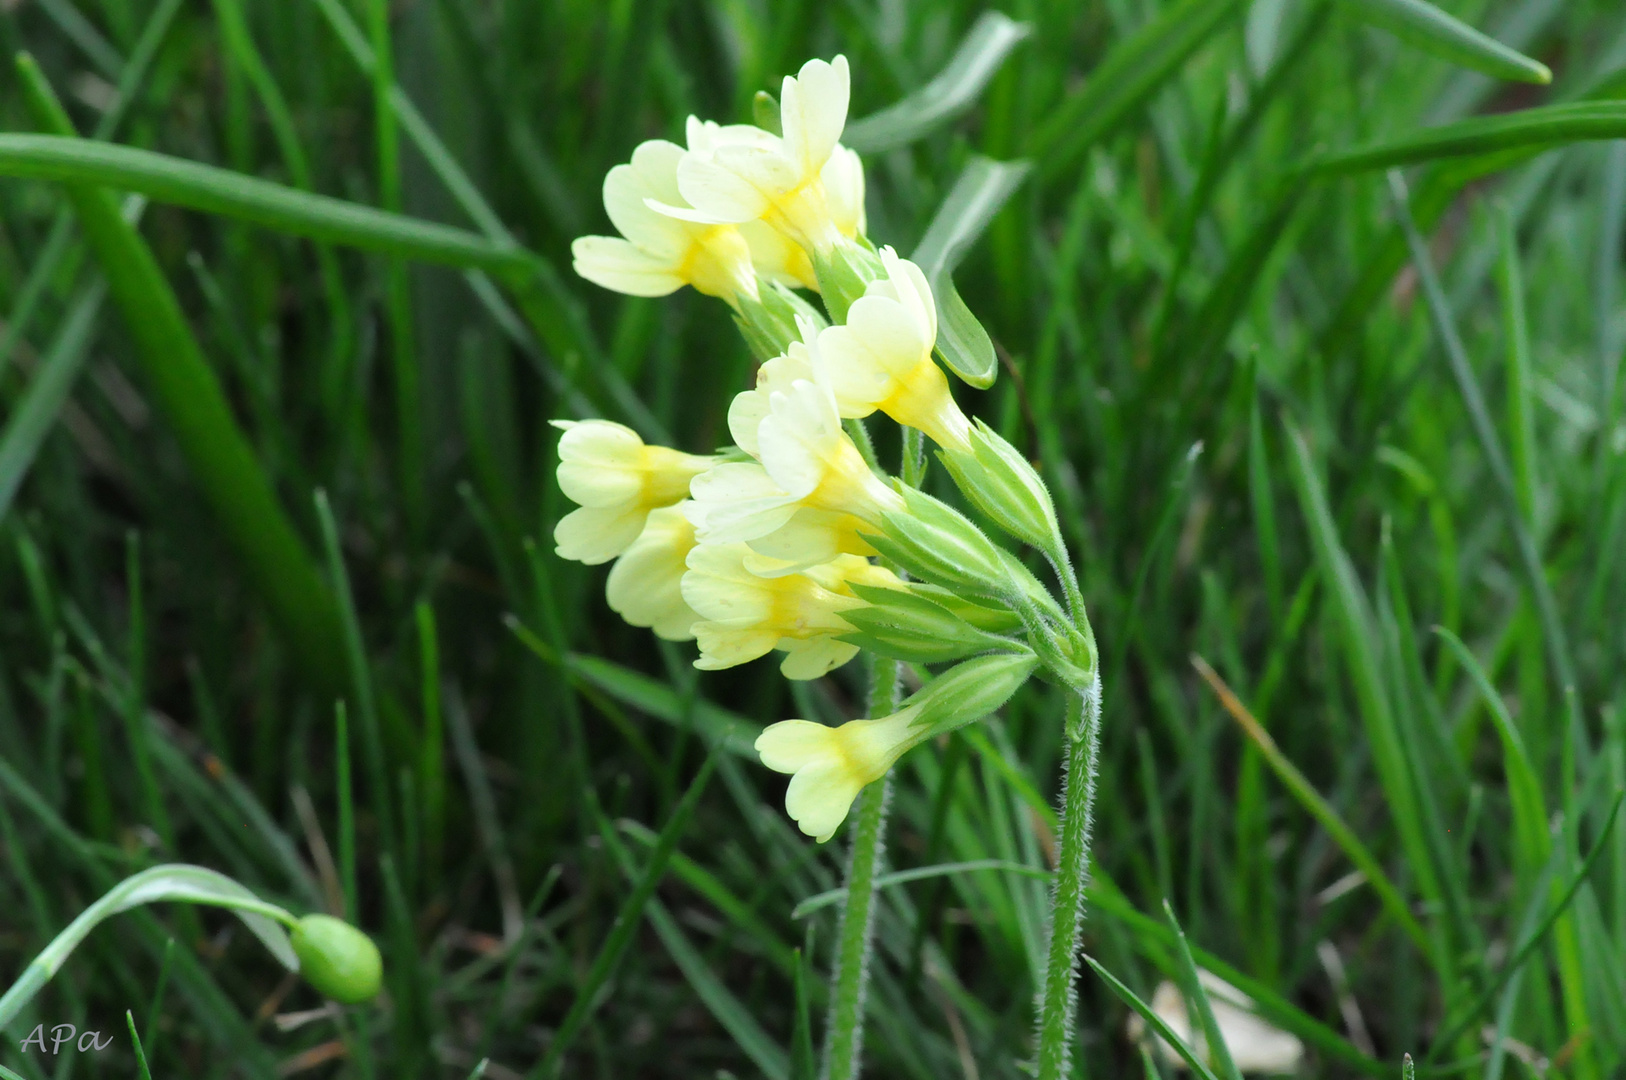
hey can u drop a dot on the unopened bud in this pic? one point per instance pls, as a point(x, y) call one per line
point(339, 961)
point(905, 625)
point(1003, 484)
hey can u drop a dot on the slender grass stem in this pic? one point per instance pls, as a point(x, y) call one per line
point(844, 1032)
point(1058, 1000)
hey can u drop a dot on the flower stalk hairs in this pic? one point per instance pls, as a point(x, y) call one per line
point(794, 540)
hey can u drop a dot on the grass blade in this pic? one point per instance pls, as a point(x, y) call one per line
point(34, 417)
point(1428, 28)
point(981, 54)
point(219, 456)
point(1546, 126)
point(1192, 984)
point(214, 190)
point(1302, 790)
point(1131, 71)
point(627, 918)
point(1154, 1021)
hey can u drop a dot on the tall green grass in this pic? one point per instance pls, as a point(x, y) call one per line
point(1311, 314)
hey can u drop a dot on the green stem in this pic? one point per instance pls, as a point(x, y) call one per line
point(844, 1032)
point(1057, 1000)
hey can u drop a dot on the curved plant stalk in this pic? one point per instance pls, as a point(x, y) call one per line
point(844, 1031)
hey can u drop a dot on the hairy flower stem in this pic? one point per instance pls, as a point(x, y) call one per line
point(844, 1031)
point(1058, 1000)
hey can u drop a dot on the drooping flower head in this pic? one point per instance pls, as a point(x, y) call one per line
point(744, 615)
point(881, 359)
point(830, 766)
point(645, 584)
point(616, 480)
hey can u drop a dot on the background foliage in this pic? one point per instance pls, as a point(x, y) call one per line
point(1234, 376)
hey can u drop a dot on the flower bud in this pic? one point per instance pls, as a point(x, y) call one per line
point(1002, 483)
point(339, 961)
point(937, 543)
point(905, 625)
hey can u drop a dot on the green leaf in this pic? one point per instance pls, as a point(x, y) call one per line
point(1131, 71)
point(1549, 125)
point(1154, 1021)
point(976, 197)
point(1192, 985)
point(171, 882)
point(979, 57)
point(247, 198)
point(1428, 28)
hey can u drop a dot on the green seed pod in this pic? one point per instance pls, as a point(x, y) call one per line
point(338, 960)
point(1002, 483)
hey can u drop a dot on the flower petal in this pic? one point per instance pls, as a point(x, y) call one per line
point(814, 658)
point(617, 265)
point(645, 584)
point(594, 536)
point(813, 110)
point(794, 744)
point(819, 797)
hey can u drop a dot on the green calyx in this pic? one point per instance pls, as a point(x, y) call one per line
point(844, 274)
point(905, 625)
point(339, 961)
point(1003, 484)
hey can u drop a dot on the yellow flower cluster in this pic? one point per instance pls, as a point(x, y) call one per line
point(767, 545)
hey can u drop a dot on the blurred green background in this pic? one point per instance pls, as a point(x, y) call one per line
point(1234, 377)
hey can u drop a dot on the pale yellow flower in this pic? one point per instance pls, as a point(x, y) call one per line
point(657, 253)
point(616, 480)
point(829, 766)
point(744, 616)
point(781, 180)
point(781, 373)
point(881, 359)
point(807, 463)
point(646, 583)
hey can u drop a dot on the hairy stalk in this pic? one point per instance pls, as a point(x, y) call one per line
point(1058, 1000)
point(844, 1031)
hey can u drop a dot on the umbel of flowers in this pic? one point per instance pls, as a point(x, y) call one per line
point(793, 539)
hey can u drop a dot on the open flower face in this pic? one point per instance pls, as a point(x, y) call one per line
point(744, 616)
point(811, 495)
point(607, 470)
point(657, 253)
point(881, 359)
point(830, 766)
point(645, 585)
point(780, 180)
